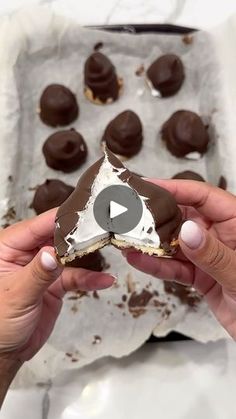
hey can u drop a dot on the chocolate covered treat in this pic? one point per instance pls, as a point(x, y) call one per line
point(165, 75)
point(101, 83)
point(65, 150)
point(58, 106)
point(50, 194)
point(92, 261)
point(123, 135)
point(77, 232)
point(189, 175)
point(185, 135)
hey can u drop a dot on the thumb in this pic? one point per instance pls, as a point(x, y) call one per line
point(209, 254)
point(39, 274)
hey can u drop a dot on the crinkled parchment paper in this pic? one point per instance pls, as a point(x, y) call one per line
point(38, 48)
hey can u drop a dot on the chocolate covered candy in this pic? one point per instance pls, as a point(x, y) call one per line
point(185, 135)
point(165, 75)
point(58, 106)
point(65, 150)
point(101, 83)
point(123, 135)
point(51, 194)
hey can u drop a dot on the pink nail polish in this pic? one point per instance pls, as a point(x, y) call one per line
point(48, 261)
point(191, 234)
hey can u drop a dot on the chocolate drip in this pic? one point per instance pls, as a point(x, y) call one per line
point(184, 133)
point(100, 76)
point(123, 135)
point(166, 74)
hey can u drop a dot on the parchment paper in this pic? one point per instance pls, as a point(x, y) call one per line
point(38, 48)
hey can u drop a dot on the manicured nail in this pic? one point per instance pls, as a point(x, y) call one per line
point(191, 234)
point(48, 261)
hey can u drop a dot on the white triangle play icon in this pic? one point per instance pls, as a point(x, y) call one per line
point(116, 209)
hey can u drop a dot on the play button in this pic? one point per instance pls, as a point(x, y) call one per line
point(118, 209)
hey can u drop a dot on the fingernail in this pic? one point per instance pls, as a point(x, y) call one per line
point(191, 234)
point(48, 261)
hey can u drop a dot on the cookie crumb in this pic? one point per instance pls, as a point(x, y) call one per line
point(140, 70)
point(187, 39)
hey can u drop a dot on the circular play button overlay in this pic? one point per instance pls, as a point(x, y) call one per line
point(118, 209)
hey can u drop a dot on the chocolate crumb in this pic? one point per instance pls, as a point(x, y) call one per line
point(138, 312)
point(186, 295)
point(69, 354)
point(10, 214)
point(119, 305)
point(74, 360)
point(187, 39)
point(73, 297)
point(139, 299)
point(10, 178)
point(74, 308)
point(5, 225)
point(124, 298)
point(222, 183)
point(140, 70)
point(149, 230)
point(158, 303)
point(97, 339)
point(166, 313)
point(82, 294)
point(98, 46)
point(96, 295)
point(156, 293)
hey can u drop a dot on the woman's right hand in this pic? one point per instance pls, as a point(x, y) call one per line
point(207, 259)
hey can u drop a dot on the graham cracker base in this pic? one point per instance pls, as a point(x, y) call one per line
point(89, 94)
point(80, 253)
point(121, 244)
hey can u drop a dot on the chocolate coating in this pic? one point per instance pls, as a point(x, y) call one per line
point(184, 133)
point(160, 202)
point(123, 135)
point(50, 194)
point(189, 175)
point(65, 150)
point(100, 76)
point(166, 74)
point(58, 106)
point(92, 261)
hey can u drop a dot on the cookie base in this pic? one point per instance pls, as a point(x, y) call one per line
point(90, 96)
point(120, 244)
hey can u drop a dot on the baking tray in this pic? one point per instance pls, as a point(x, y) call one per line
point(52, 48)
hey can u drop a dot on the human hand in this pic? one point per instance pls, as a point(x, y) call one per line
point(32, 286)
point(207, 258)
